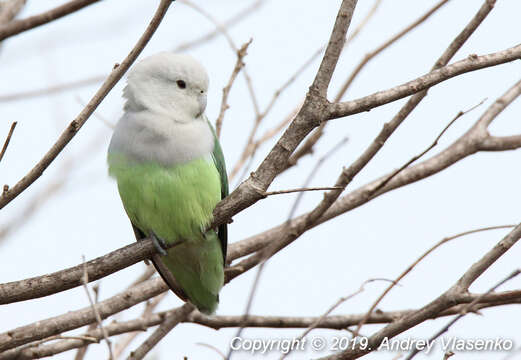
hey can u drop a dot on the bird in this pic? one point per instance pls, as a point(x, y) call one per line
point(170, 173)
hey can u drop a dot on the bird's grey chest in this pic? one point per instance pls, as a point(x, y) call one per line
point(162, 141)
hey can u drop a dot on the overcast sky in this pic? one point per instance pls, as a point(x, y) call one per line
point(378, 240)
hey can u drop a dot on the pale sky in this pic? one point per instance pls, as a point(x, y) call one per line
point(378, 240)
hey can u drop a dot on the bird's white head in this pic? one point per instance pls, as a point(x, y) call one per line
point(168, 84)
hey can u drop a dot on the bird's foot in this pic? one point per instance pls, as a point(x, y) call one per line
point(159, 244)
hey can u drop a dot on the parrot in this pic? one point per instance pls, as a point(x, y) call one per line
point(170, 173)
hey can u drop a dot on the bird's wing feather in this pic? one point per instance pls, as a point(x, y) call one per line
point(218, 159)
point(167, 276)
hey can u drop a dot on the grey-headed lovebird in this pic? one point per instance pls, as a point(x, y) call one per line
point(170, 172)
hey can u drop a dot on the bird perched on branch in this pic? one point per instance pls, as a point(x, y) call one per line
point(170, 172)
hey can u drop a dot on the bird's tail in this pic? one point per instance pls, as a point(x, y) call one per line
point(198, 268)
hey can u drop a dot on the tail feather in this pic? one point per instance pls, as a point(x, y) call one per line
point(198, 268)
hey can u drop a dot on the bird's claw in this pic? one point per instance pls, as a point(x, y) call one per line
point(159, 244)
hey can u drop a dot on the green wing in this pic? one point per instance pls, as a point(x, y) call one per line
point(218, 159)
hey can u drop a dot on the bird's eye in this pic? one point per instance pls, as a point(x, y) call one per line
point(181, 84)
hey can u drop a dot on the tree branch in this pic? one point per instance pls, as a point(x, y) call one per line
point(7, 140)
point(168, 324)
point(334, 48)
point(18, 26)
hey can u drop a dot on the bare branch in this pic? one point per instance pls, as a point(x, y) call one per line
point(17, 26)
point(500, 143)
point(84, 115)
point(9, 10)
point(95, 310)
point(168, 324)
point(7, 140)
point(334, 48)
point(241, 53)
point(302, 189)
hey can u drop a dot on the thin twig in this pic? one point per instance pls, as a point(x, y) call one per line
point(302, 189)
point(239, 64)
point(82, 351)
point(7, 140)
point(95, 309)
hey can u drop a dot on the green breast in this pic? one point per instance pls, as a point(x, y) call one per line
point(175, 202)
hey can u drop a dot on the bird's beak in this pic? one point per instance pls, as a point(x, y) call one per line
point(202, 104)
